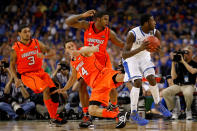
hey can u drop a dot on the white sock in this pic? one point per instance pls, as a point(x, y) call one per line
point(155, 93)
point(134, 96)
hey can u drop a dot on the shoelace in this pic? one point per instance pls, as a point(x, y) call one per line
point(121, 118)
point(86, 118)
point(138, 118)
point(161, 108)
point(58, 118)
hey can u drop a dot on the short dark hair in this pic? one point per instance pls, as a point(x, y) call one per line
point(69, 40)
point(145, 18)
point(101, 14)
point(21, 27)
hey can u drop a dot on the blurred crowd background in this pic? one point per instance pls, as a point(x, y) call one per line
point(176, 20)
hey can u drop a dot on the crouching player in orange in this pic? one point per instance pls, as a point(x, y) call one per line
point(99, 78)
point(26, 59)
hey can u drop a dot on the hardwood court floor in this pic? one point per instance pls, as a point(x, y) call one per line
point(100, 125)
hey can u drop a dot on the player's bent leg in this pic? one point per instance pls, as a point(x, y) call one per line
point(84, 99)
point(83, 94)
point(55, 96)
point(95, 110)
point(51, 102)
point(113, 100)
point(134, 96)
point(155, 93)
point(119, 77)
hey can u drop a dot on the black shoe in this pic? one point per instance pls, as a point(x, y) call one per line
point(57, 122)
point(122, 118)
point(114, 108)
point(86, 122)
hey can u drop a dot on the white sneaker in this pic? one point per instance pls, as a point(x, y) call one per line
point(189, 115)
point(174, 116)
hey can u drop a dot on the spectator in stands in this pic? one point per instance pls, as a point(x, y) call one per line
point(5, 77)
point(183, 73)
point(16, 102)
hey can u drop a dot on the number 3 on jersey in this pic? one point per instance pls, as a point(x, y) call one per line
point(84, 71)
point(31, 60)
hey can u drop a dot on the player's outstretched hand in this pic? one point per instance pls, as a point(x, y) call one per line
point(58, 91)
point(89, 13)
point(96, 48)
point(40, 55)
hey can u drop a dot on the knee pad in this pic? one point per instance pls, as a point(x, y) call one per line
point(54, 97)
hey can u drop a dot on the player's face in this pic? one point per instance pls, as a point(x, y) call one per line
point(105, 20)
point(70, 46)
point(25, 34)
point(151, 23)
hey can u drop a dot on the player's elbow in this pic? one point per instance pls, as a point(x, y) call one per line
point(67, 21)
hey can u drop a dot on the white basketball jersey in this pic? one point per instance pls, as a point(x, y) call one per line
point(139, 37)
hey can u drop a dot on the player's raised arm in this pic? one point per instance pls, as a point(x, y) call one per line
point(127, 52)
point(86, 51)
point(44, 49)
point(73, 21)
point(115, 40)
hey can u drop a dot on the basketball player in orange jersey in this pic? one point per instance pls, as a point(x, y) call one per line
point(96, 33)
point(99, 78)
point(26, 59)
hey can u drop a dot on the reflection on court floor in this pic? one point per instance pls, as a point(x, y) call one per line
point(100, 125)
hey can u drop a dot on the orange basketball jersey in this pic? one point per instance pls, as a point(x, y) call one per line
point(91, 38)
point(87, 67)
point(27, 59)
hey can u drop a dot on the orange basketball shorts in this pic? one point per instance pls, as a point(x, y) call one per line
point(37, 81)
point(102, 86)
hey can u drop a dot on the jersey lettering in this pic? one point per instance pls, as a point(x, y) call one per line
point(84, 71)
point(31, 59)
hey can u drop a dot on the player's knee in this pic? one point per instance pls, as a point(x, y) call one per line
point(54, 97)
point(188, 94)
point(46, 91)
point(138, 83)
point(92, 110)
point(118, 78)
point(151, 80)
point(165, 92)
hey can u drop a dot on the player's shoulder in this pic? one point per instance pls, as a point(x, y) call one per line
point(15, 45)
point(134, 30)
point(89, 25)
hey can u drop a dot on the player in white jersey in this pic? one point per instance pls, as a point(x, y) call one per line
point(137, 64)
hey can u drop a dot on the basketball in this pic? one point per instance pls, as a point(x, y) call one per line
point(154, 43)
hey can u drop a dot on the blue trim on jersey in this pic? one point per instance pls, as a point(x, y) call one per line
point(142, 31)
point(126, 68)
point(148, 69)
point(134, 34)
point(135, 77)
